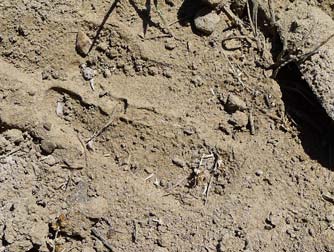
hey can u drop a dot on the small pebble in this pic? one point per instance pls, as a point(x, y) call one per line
point(259, 173)
point(95, 208)
point(170, 45)
point(60, 109)
point(178, 162)
point(50, 160)
point(330, 216)
point(197, 81)
point(88, 73)
point(22, 31)
point(106, 73)
point(152, 71)
point(168, 74)
point(234, 103)
point(189, 131)
point(239, 119)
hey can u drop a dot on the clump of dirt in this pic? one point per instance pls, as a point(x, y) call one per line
point(156, 137)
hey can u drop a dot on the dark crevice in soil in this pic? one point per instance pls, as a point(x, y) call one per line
point(35, 248)
point(72, 94)
point(316, 128)
point(4, 243)
point(5, 126)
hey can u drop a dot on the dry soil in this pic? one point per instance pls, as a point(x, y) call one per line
point(184, 144)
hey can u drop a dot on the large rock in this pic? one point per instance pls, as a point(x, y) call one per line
point(318, 69)
point(48, 147)
point(212, 3)
point(206, 21)
point(306, 29)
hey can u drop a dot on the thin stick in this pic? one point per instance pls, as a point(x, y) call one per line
point(134, 233)
point(251, 123)
point(102, 239)
point(11, 152)
point(235, 73)
point(328, 197)
point(155, 37)
point(213, 170)
point(236, 20)
point(315, 50)
point(173, 187)
point(272, 11)
point(162, 18)
point(54, 241)
point(96, 134)
point(253, 18)
point(70, 166)
point(84, 148)
point(241, 37)
point(255, 15)
point(302, 58)
point(208, 190)
point(250, 18)
point(149, 176)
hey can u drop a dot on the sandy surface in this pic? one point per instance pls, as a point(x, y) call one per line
point(173, 141)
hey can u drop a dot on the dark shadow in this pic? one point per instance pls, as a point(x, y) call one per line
point(188, 10)
point(316, 128)
point(113, 6)
point(35, 248)
point(145, 14)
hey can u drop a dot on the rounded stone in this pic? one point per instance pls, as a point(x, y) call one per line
point(83, 43)
point(48, 147)
point(206, 21)
point(235, 103)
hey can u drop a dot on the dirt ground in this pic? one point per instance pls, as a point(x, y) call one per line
point(161, 139)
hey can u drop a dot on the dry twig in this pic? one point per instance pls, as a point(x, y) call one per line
point(213, 171)
point(99, 132)
point(235, 72)
point(83, 148)
point(251, 123)
point(11, 152)
point(102, 239)
point(55, 239)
